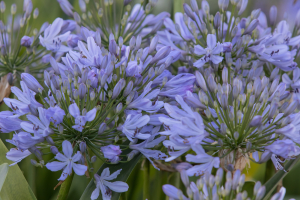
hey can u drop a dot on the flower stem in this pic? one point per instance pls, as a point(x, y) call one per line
point(146, 180)
point(64, 188)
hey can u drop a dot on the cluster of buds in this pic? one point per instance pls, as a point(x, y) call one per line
point(213, 187)
point(117, 18)
point(19, 43)
point(91, 103)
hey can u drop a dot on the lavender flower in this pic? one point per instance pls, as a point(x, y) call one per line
point(106, 187)
point(67, 162)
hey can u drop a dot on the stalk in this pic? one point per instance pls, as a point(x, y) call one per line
point(146, 191)
point(64, 188)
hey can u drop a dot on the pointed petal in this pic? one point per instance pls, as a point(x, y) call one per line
point(79, 169)
point(67, 148)
point(117, 186)
point(211, 41)
point(55, 166)
point(74, 110)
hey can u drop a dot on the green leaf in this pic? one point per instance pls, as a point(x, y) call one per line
point(123, 176)
point(3, 173)
point(15, 186)
point(272, 182)
point(248, 186)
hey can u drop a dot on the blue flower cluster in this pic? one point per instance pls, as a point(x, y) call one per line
point(215, 90)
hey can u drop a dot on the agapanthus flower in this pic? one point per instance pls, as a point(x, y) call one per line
point(19, 43)
point(105, 187)
point(209, 186)
point(88, 103)
point(211, 53)
point(67, 162)
point(135, 21)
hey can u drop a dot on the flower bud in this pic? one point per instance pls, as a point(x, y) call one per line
point(34, 163)
point(82, 90)
point(93, 159)
point(194, 5)
point(188, 11)
point(102, 128)
point(242, 4)
point(205, 7)
point(2, 6)
point(228, 187)
point(224, 101)
point(253, 24)
point(82, 147)
point(225, 75)
point(153, 44)
point(10, 79)
point(31, 82)
point(260, 193)
point(117, 89)
point(256, 188)
point(272, 111)
point(26, 41)
point(289, 110)
point(132, 43)
point(273, 15)
point(235, 179)
point(236, 135)
point(223, 128)
point(60, 128)
point(119, 107)
point(212, 84)
point(223, 4)
point(200, 80)
point(162, 53)
point(217, 20)
point(54, 150)
point(256, 121)
point(255, 13)
point(248, 146)
point(219, 176)
point(76, 17)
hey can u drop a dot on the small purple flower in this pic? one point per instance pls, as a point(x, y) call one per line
point(80, 120)
point(67, 162)
point(208, 161)
point(143, 102)
point(55, 115)
point(211, 53)
point(52, 39)
point(26, 41)
point(9, 122)
point(144, 148)
point(72, 41)
point(39, 125)
point(106, 187)
point(132, 124)
point(26, 99)
point(111, 152)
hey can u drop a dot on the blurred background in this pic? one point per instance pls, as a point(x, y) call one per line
point(43, 181)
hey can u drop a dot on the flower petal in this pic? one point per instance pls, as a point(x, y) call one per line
point(67, 148)
point(79, 169)
point(117, 186)
point(55, 166)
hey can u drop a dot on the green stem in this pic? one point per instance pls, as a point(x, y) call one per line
point(270, 170)
point(146, 192)
point(64, 188)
